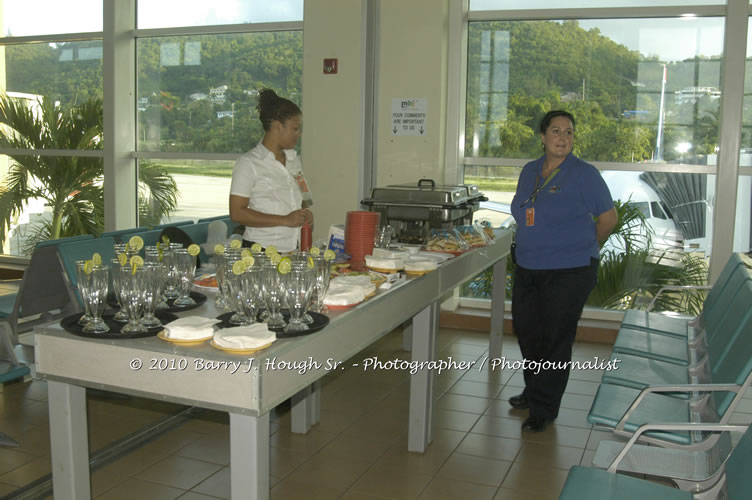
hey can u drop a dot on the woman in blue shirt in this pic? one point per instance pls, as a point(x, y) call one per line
point(563, 211)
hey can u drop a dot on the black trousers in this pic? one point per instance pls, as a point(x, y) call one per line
point(546, 305)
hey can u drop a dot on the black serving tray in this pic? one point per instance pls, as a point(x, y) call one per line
point(319, 322)
point(199, 297)
point(70, 325)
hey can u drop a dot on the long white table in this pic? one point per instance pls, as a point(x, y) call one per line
point(156, 369)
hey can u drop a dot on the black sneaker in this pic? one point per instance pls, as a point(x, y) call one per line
point(535, 424)
point(519, 402)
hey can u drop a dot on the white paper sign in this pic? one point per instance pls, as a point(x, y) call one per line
point(409, 116)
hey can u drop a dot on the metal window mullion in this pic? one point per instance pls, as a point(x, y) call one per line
point(174, 155)
point(596, 13)
point(65, 37)
point(96, 153)
point(221, 29)
point(456, 92)
point(729, 134)
point(119, 87)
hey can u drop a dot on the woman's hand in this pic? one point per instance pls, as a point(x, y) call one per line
point(297, 218)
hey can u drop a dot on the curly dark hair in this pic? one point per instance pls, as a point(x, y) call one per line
point(546, 121)
point(273, 107)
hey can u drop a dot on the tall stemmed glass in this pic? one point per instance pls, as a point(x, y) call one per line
point(132, 290)
point(156, 255)
point(154, 273)
point(121, 316)
point(233, 288)
point(322, 274)
point(95, 296)
point(82, 284)
point(298, 291)
point(168, 257)
point(185, 266)
point(250, 298)
point(303, 258)
point(219, 274)
point(259, 260)
point(273, 289)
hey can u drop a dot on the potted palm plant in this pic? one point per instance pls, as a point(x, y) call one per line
point(71, 186)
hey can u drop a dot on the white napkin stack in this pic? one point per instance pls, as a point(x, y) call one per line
point(348, 290)
point(245, 337)
point(190, 328)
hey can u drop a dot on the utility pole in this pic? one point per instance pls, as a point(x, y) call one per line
point(659, 136)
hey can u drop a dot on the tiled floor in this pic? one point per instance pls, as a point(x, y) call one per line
point(357, 452)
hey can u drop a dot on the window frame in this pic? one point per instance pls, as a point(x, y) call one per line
point(727, 170)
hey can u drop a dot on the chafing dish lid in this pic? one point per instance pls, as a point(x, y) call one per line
point(424, 192)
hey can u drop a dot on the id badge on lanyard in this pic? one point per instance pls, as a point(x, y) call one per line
point(530, 212)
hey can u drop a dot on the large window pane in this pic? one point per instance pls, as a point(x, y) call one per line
point(635, 96)
point(203, 190)
point(68, 73)
point(580, 4)
point(63, 197)
point(174, 13)
point(198, 93)
point(50, 17)
point(637, 99)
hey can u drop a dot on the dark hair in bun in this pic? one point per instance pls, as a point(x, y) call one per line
point(273, 107)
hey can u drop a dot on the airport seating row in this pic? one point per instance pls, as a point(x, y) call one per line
point(677, 383)
point(48, 288)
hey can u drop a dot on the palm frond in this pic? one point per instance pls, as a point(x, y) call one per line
point(158, 193)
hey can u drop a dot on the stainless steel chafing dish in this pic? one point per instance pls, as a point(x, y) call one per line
point(414, 209)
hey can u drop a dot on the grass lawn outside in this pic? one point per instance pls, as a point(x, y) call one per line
point(220, 168)
point(211, 168)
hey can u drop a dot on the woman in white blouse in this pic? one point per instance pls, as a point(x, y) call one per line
point(265, 194)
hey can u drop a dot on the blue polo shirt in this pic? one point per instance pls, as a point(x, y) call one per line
point(563, 235)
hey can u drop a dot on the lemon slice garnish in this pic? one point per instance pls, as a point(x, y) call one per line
point(315, 251)
point(122, 259)
point(88, 266)
point(137, 261)
point(236, 244)
point(275, 258)
point(96, 259)
point(256, 247)
point(284, 266)
point(311, 265)
point(219, 249)
point(245, 251)
point(136, 242)
point(165, 240)
point(329, 255)
point(238, 268)
point(248, 260)
point(193, 249)
point(270, 250)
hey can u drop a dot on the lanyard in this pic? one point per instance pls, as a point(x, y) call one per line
point(538, 189)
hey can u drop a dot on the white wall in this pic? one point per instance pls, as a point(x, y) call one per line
point(331, 109)
point(411, 62)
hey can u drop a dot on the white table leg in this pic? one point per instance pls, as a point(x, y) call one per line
point(249, 457)
point(498, 297)
point(407, 336)
point(420, 430)
point(69, 441)
point(306, 408)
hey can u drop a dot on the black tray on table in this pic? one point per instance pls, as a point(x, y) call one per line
point(198, 297)
point(319, 322)
point(70, 325)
